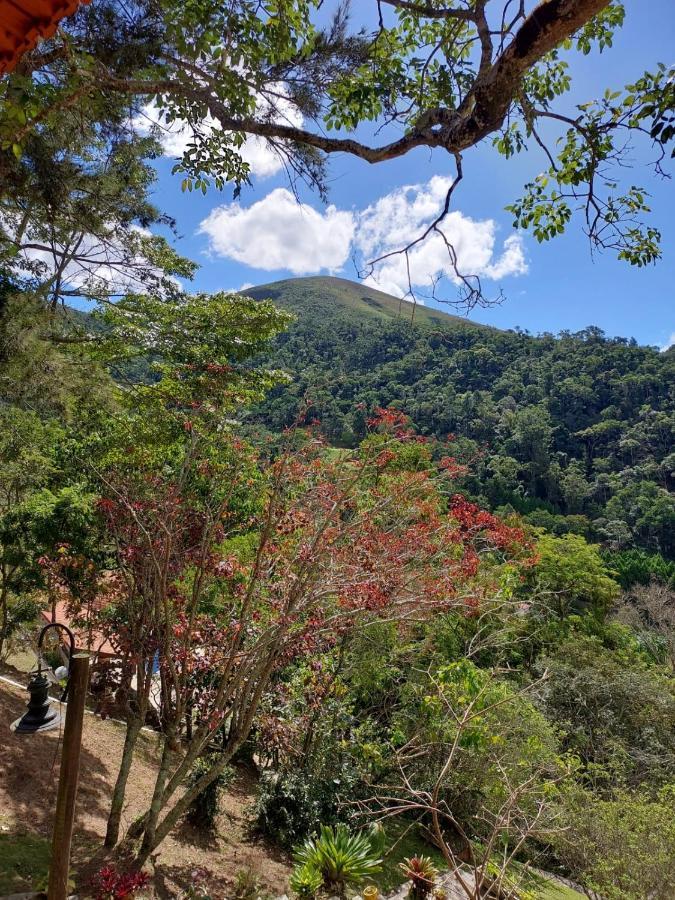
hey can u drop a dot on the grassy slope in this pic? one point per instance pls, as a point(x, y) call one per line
point(325, 294)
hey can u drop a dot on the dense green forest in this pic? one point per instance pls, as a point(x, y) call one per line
point(575, 431)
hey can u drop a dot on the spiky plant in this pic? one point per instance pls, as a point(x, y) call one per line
point(422, 873)
point(341, 857)
point(306, 881)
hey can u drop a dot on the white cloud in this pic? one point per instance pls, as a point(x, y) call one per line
point(277, 232)
point(176, 136)
point(511, 262)
point(669, 343)
point(400, 217)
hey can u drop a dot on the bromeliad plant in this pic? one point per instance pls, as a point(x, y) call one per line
point(422, 873)
point(306, 881)
point(339, 856)
point(109, 884)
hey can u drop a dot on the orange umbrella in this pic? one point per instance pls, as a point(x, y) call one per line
point(24, 22)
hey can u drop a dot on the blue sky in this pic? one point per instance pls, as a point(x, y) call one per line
point(548, 287)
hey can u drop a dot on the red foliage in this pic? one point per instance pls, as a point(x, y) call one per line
point(109, 884)
point(391, 421)
point(336, 542)
point(451, 467)
point(474, 521)
point(384, 458)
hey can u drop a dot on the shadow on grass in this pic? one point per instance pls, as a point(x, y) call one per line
point(24, 863)
point(29, 774)
point(189, 835)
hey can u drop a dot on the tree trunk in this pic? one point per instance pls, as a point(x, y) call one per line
point(4, 614)
point(146, 824)
point(112, 834)
point(158, 799)
point(154, 837)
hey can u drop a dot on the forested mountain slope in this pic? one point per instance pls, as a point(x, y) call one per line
point(574, 431)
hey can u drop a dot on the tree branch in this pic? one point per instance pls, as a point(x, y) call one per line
point(432, 12)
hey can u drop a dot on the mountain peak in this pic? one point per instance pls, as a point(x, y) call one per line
point(328, 294)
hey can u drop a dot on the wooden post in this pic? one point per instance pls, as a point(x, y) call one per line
point(78, 682)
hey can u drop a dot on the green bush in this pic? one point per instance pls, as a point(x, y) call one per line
point(613, 711)
point(623, 847)
point(21, 610)
point(203, 811)
point(290, 806)
point(639, 567)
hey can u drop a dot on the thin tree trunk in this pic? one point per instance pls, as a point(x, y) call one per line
point(152, 839)
point(4, 612)
point(170, 785)
point(154, 831)
point(112, 834)
point(158, 799)
point(135, 720)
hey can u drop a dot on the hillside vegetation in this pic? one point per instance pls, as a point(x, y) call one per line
point(574, 431)
point(374, 596)
point(320, 295)
point(331, 607)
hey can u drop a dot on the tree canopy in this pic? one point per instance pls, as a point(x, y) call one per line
point(441, 75)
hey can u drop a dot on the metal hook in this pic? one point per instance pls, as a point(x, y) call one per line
point(71, 637)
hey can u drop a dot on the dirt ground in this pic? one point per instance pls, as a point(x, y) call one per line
point(29, 767)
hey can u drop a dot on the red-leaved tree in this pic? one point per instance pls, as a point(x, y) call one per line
point(230, 566)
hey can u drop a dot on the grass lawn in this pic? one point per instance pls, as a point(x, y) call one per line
point(545, 888)
point(24, 862)
point(403, 840)
point(554, 890)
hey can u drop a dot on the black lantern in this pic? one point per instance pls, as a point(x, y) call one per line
point(41, 715)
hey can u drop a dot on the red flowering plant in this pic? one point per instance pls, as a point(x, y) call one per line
point(230, 566)
point(110, 884)
point(407, 551)
point(173, 484)
point(158, 607)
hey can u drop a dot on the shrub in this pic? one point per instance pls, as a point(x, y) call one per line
point(340, 857)
point(19, 611)
point(614, 712)
point(623, 848)
point(290, 806)
point(203, 810)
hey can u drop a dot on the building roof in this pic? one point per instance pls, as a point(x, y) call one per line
point(84, 639)
point(24, 22)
